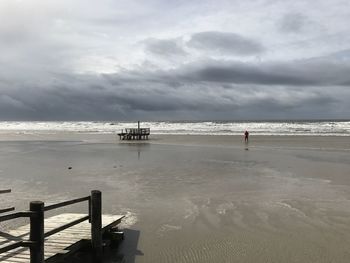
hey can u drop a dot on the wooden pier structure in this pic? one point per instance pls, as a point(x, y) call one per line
point(135, 133)
point(53, 239)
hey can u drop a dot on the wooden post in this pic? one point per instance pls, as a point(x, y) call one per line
point(37, 232)
point(138, 130)
point(96, 225)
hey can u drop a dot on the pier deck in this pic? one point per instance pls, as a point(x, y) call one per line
point(51, 239)
point(134, 134)
point(57, 245)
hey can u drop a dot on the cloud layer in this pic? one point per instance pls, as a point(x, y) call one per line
point(127, 60)
point(225, 43)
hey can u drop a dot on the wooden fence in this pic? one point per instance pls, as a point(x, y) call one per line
point(37, 234)
point(9, 209)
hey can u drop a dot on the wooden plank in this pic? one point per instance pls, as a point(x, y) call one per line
point(5, 210)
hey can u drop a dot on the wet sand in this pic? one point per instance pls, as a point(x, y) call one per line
point(197, 198)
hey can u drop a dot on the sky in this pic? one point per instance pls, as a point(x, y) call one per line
point(174, 60)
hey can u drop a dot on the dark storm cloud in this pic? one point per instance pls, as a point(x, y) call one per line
point(94, 97)
point(303, 73)
point(65, 60)
point(214, 88)
point(239, 73)
point(311, 72)
point(225, 43)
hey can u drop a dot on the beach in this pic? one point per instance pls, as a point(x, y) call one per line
point(196, 198)
point(151, 104)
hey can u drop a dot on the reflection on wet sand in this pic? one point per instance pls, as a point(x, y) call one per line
point(200, 200)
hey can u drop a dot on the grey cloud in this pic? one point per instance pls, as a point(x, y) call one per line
point(225, 43)
point(205, 88)
point(293, 23)
point(299, 73)
point(152, 95)
point(164, 47)
point(249, 74)
point(342, 56)
point(53, 54)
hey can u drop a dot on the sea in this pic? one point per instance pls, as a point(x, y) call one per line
point(267, 128)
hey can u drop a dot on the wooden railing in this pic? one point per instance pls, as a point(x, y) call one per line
point(9, 209)
point(37, 234)
point(134, 134)
point(143, 131)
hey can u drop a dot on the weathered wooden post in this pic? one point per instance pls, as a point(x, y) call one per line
point(96, 224)
point(138, 130)
point(37, 232)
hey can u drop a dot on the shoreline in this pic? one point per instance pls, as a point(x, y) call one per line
point(255, 141)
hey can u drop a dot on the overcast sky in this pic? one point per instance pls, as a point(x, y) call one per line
point(174, 59)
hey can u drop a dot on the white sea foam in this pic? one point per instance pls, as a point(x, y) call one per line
point(330, 128)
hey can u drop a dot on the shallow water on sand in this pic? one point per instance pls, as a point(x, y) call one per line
point(197, 203)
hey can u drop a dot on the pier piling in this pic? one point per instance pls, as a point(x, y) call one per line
point(96, 224)
point(36, 237)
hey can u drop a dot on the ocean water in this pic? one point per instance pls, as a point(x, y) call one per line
point(277, 128)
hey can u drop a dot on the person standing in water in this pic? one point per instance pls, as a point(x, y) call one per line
point(246, 135)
